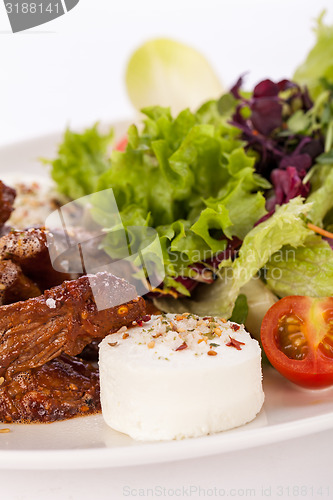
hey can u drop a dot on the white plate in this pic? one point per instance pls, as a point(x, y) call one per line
point(86, 442)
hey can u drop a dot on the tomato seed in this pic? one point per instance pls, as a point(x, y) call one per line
point(291, 339)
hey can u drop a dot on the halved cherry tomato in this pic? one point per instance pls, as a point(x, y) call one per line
point(121, 145)
point(297, 337)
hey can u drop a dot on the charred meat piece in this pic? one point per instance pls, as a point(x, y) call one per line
point(90, 352)
point(28, 249)
point(62, 388)
point(64, 319)
point(7, 197)
point(14, 286)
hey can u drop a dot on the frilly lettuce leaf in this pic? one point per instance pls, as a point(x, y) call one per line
point(285, 227)
point(209, 220)
point(243, 210)
point(319, 62)
point(321, 196)
point(193, 179)
point(305, 270)
point(187, 176)
point(81, 159)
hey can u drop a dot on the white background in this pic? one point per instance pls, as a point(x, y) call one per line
point(71, 71)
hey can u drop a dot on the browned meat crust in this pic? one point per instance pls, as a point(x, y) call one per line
point(90, 352)
point(14, 286)
point(63, 319)
point(62, 388)
point(28, 249)
point(7, 197)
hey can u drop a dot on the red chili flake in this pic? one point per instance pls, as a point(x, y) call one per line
point(235, 327)
point(146, 318)
point(139, 322)
point(182, 347)
point(235, 343)
point(208, 317)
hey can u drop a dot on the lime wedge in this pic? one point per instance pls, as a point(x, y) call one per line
point(168, 73)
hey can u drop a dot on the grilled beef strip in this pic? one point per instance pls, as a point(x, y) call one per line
point(64, 320)
point(90, 352)
point(14, 286)
point(62, 388)
point(7, 197)
point(28, 249)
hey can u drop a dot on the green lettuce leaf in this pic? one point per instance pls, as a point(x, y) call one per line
point(244, 207)
point(193, 180)
point(305, 270)
point(285, 227)
point(319, 62)
point(321, 195)
point(241, 310)
point(81, 159)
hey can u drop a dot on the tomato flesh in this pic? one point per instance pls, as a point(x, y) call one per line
point(326, 345)
point(291, 338)
point(122, 144)
point(297, 337)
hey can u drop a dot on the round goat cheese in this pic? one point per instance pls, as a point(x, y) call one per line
point(179, 376)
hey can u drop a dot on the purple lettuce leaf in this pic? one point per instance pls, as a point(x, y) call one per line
point(283, 157)
point(287, 184)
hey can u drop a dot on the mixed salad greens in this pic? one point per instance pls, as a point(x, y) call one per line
point(237, 189)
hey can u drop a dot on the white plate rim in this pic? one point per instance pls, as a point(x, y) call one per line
point(147, 453)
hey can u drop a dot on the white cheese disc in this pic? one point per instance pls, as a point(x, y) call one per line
point(164, 381)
